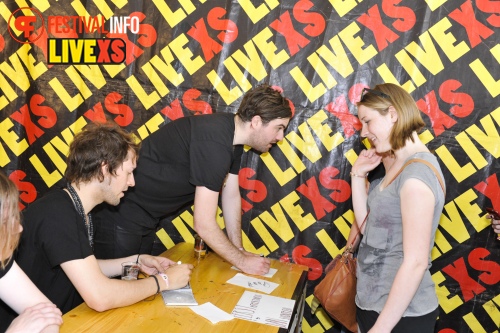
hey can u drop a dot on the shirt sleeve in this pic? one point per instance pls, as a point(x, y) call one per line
point(4, 271)
point(423, 173)
point(235, 166)
point(63, 236)
point(210, 164)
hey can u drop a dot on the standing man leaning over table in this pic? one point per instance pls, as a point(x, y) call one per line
point(56, 247)
point(194, 159)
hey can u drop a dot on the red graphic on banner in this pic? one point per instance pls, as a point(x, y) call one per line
point(26, 24)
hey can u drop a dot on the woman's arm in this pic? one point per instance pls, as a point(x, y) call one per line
point(417, 208)
point(367, 161)
point(36, 311)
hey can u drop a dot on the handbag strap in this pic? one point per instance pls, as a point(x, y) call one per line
point(354, 244)
point(419, 160)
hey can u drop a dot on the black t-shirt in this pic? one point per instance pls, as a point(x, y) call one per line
point(4, 271)
point(53, 234)
point(7, 315)
point(188, 152)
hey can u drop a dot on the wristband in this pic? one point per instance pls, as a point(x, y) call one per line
point(157, 284)
point(165, 278)
point(356, 175)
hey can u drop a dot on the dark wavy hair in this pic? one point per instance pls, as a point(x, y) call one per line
point(98, 144)
point(266, 102)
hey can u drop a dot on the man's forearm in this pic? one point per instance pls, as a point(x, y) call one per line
point(231, 209)
point(233, 230)
point(112, 267)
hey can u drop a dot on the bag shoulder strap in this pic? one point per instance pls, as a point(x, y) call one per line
point(354, 244)
point(419, 160)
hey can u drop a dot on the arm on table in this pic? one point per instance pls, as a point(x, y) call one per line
point(149, 264)
point(205, 224)
point(102, 293)
point(36, 311)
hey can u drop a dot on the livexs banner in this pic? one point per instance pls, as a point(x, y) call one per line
point(142, 64)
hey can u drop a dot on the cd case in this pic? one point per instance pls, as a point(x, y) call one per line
point(182, 296)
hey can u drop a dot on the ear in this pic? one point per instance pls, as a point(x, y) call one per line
point(393, 113)
point(104, 169)
point(256, 121)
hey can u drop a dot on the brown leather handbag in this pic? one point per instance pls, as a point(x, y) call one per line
point(336, 292)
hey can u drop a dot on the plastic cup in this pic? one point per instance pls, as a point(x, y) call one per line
point(200, 247)
point(130, 270)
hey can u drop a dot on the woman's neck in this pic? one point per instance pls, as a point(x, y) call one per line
point(410, 148)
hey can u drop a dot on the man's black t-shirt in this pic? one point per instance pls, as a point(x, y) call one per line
point(188, 152)
point(53, 234)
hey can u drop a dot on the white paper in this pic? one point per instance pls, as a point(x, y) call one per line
point(253, 283)
point(268, 275)
point(264, 309)
point(211, 312)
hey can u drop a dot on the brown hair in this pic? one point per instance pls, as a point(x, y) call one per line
point(9, 219)
point(98, 144)
point(409, 117)
point(266, 102)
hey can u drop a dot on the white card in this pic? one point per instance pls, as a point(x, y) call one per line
point(253, 283)
point(211, 312)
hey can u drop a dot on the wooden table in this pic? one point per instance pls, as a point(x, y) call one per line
point(208, 282)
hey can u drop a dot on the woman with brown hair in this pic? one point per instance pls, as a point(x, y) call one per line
point(36, 312)
point(395, 291)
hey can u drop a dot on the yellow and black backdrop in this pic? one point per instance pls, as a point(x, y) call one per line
point(145, 63)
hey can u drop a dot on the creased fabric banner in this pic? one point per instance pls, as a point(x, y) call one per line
point(145, 63)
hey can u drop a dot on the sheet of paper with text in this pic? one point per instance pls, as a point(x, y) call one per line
point(264, 309)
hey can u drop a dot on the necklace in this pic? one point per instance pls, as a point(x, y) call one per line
point(81, 212)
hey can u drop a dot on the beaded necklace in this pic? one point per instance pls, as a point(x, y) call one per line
point(81, 212)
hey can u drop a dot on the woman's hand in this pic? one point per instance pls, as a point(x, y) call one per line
point(36, 318)
point(366, 162)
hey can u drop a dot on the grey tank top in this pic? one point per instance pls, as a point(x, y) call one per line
point(380, 251)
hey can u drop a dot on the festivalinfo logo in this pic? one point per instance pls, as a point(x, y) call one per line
point(27, 25)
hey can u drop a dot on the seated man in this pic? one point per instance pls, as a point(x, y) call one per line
point(56, 247)
point(194, 160)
